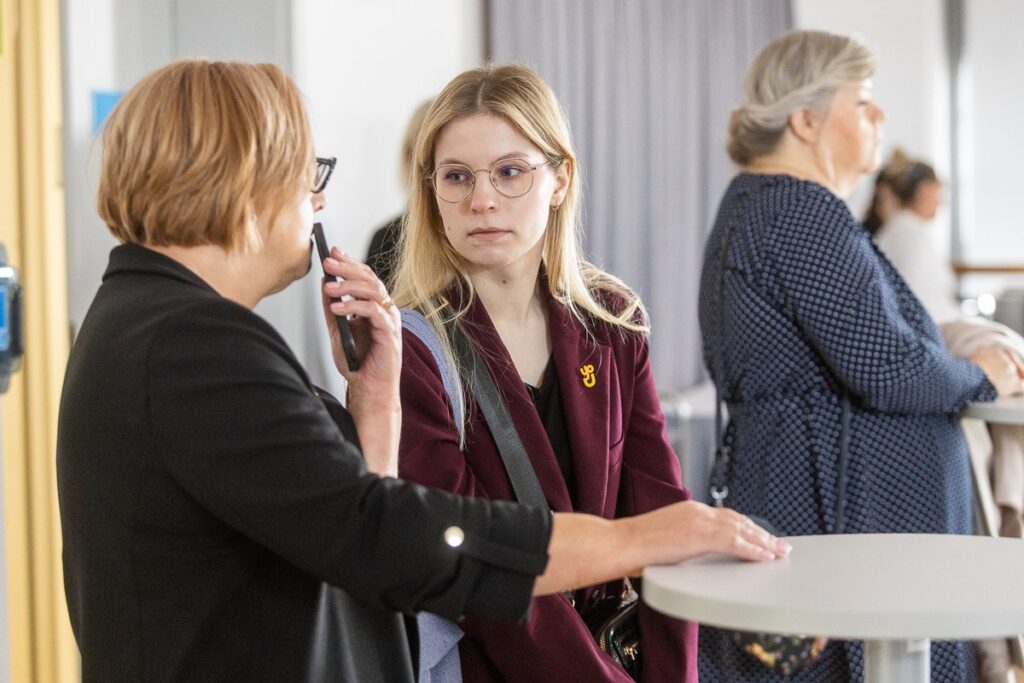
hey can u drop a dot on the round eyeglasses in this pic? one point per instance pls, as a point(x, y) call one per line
point(324, 169)
point(513, 178)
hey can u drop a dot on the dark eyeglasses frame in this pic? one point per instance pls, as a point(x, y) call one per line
point(472, 185)
point(324, 169)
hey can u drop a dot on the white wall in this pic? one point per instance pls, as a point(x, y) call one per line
point(912, 82)
point(100, 53)
point(912, 85)
point(995, 59)
point(364, 66)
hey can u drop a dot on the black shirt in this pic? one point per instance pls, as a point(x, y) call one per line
point(548, 400)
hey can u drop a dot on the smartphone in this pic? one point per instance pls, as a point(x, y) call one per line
point(348, 342)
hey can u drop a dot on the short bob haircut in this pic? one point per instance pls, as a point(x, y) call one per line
point(797, 70)
point(196, 147)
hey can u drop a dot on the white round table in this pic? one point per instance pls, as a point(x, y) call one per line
point(894, 591)
point(1005, 410)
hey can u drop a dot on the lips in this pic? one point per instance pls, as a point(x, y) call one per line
point(487, 232)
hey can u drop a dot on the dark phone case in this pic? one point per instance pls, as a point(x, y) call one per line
point(348, 342)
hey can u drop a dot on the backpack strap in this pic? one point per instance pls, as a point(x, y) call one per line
point(417, 324)
point(438, 637)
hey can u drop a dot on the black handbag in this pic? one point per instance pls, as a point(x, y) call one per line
point(616, 628)
point(613, 622)
point(782, 654)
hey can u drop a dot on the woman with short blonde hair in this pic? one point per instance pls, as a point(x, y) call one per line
point(193, 170)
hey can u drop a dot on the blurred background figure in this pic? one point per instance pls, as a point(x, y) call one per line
point(908, 194)
point(382, 252)
point(902, 220)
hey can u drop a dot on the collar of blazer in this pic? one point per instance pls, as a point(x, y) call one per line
point(588, 410)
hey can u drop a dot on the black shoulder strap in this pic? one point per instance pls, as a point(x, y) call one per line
point(517, 463)
point(722, 461)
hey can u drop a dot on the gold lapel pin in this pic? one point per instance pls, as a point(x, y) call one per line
point(589, 378)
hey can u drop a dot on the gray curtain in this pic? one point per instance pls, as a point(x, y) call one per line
point(648, 86)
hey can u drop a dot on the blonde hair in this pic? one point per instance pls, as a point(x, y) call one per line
point(192, 144)
point(429, 267)
point(797, 70)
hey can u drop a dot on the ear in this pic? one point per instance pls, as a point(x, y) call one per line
point(563, 175)
point(805, 125)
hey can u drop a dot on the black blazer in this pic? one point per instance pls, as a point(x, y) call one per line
point(217, 523)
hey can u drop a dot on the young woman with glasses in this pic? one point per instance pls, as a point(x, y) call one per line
point(492, 247)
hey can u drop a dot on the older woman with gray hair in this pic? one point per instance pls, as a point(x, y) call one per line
point(840, 393)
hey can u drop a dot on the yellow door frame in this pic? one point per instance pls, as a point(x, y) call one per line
point(41, 645)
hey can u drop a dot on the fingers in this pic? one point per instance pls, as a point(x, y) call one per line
point(358, 279)
point(1009, 370)
point(1017, 361)
point(1001, 369)
point(378, 317)
point(357, 289)
point(749, 541)
point(348, 267)
point(383, 324)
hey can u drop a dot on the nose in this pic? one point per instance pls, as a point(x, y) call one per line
point(483, 196)
point(879, 114)
point(319, 201)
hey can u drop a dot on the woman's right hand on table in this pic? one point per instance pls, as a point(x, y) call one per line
point(685, 530)
point(586, 550)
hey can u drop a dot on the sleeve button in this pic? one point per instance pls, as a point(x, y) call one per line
point(454, 536)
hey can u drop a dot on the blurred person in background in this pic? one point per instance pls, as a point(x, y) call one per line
point(907, 197)
point(908, 194)
point(383, 250)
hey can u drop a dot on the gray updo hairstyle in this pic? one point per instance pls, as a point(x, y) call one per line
point(799, 69)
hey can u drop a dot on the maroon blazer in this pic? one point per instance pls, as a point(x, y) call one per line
point(622, 463)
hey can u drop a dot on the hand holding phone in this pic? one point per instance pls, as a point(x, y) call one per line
point(348, 342)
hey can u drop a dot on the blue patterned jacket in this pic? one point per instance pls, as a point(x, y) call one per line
point(810, 310)
point(809, 313)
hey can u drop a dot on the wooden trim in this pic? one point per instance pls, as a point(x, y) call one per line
point(12, 404)
point(42, 645)
point(961, 268)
